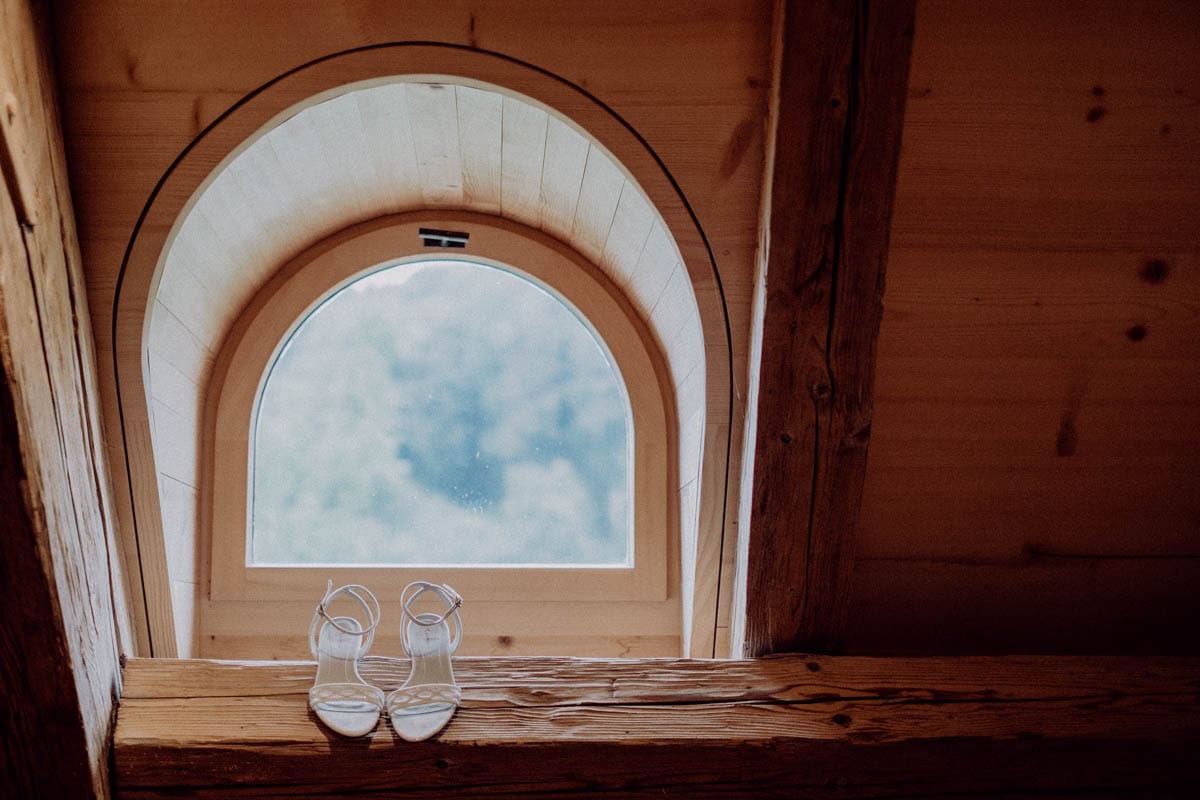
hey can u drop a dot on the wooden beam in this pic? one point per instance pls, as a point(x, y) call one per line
point(41, 725)
point(842, 82)
point(59, 671)
point(789, 725)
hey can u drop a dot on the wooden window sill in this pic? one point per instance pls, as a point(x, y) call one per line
point(845, 726)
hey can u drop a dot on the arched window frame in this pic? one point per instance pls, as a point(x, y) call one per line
point(240, 374)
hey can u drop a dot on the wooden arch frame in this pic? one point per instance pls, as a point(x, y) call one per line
point(221, 141)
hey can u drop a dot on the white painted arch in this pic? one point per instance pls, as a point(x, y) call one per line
point(405, 144)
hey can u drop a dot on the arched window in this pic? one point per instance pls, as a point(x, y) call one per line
point(280, 205)
point(496, 419)
point(442, 412)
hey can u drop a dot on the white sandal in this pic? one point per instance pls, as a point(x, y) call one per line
point(427, 700)
point(340, 697)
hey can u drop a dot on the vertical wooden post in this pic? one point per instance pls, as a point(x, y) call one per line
point(842, 82)
point(59, 663)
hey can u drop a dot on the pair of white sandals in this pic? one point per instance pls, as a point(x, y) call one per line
point(349, 705)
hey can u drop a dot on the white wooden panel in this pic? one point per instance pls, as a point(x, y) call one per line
point(230, 252)
point(627, 236)
point(181, 294)
point(598, 197)
point(655, 264)
point(171, 387)
point(562, 176)
point(299, 151)
point(673, 306)
point(691, 441)
point(201, 250)
point(267, 190)
point(690, 394)
point(687, 541)
point(177, 345)
point(175, 445)
point(388, 131)
point(524, 150)
point(178, 501)
point(686, 348)
point(480, 116)
point(344, 147)
point(433, 115)
point(239, 234)
point(184, 600)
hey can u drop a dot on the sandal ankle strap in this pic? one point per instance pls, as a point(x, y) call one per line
point(451, 598)
point(365, 598)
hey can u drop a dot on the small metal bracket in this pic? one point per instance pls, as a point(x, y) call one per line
point(432, 237)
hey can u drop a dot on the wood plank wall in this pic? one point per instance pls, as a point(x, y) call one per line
point(59, 670)
point(1032, 477)
point(1034, 471)
point(141, 81)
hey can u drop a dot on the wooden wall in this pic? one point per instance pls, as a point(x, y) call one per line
point(59, 670)
point(1035, 459)
point(1034, 473)
point(141, 81)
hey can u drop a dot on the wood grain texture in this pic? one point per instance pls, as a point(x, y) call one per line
point(434, 121)
point(1010, 147)
point(480, 132)
point(817, 726)
point(1035, 447)
point(562, 175)
point(576, 611)
point(59, 671)
point(141, 83)
point(524, 154)
point(1021, 230)
point(842, 84)
point(201, 289)
point(36, 661)
point(1035, 603)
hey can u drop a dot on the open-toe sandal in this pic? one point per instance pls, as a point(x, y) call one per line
point(424, 704)
point(340, 697)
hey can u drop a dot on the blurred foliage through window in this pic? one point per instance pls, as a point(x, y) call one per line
point(442, 412)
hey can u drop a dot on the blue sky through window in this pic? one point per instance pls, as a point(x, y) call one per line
point(442, 412)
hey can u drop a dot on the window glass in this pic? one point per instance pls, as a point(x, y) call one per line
point(442, 412)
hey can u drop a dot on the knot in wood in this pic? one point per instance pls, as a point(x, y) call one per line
point(859, 436)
